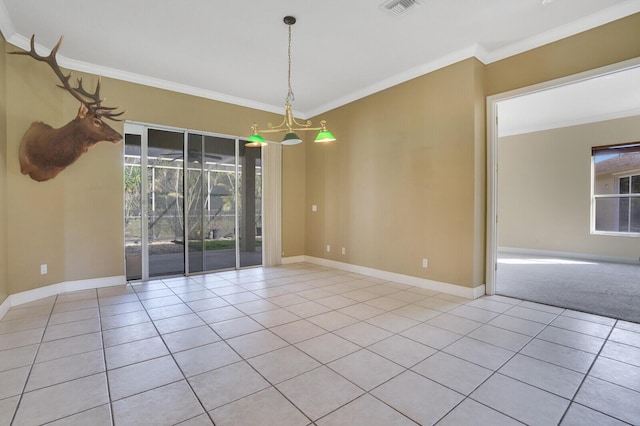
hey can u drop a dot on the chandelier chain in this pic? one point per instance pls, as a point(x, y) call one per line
point(290, 96)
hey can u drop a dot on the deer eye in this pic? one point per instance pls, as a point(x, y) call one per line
point(97, 122)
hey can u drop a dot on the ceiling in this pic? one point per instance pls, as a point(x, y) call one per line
point(606, 97)
point(236, 51)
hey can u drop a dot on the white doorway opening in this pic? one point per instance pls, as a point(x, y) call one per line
point(498, 122)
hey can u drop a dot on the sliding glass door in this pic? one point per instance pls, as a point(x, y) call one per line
point(165, 206)
point(192, 203)
point(211, 199)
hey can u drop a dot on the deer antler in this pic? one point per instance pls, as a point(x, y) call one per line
point(91, 100)
point(101, 111)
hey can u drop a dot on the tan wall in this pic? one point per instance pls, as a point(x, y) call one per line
point(35, 212)
point(4, 284)
point(293, 200)
point(544, 188)
point(399, 183)
point(74, 222)
point(480, 176)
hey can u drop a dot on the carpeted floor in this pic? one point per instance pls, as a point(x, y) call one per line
point(608, 289)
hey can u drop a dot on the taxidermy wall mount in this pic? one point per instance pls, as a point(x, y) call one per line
point(45, 151)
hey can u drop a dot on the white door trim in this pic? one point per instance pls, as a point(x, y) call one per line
point(492, 152)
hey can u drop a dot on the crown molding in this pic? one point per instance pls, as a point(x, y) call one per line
point(165, 84)
point(6, 26)
point(410, 74)
point(486, 56)
point(23, 43)
point(589, 22)
point(478, 51)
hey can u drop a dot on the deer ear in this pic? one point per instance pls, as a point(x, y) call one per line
point(82, 112)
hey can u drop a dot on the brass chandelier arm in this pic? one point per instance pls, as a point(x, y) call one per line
point(284, 125)
point(307, 124)
point(288, 129)
point(289, 122)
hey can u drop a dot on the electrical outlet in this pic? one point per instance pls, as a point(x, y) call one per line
point(425, 263)
point(43, 269)
point(328, 248)
point(314, 208)
point(344, 250)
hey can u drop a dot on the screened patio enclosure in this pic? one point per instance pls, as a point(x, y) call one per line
point(193, 202)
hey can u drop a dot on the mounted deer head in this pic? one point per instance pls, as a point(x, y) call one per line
point(45, 151)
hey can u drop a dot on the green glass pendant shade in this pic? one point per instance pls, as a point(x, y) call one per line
point(255, 140)
point(325, 136)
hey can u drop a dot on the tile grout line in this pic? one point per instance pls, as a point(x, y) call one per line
point(33, 362)
point(406, 369)
point(242, 359)
point(595, 359)
point(409, 369)
point(332, 332)
point(274, 386)
point(171, 353)
point(366, 348)
point(494, 372)
point(321, 364)
point(104, 360)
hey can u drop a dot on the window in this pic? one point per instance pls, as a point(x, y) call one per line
point(616, 189)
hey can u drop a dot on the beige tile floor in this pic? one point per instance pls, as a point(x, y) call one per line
point(303, 345)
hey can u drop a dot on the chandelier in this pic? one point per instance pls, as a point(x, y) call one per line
point(289, 124)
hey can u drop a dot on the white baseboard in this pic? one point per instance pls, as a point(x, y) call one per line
point(456, 290)
point(4, 307)
point(36, 294)
point(293, 259)
point(95, 283)
point(569, 255)
point(54, 289)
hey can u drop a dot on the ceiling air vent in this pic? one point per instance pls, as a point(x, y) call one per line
point(399, 7)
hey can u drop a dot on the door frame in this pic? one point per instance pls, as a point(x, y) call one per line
point(492, 153)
